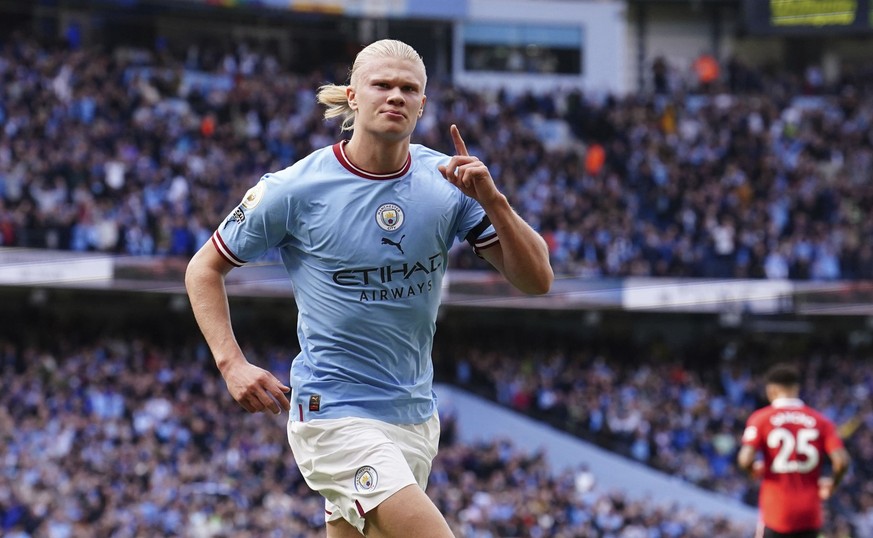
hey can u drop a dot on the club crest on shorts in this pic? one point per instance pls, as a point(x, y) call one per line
point(389, 217)
point(366, 478)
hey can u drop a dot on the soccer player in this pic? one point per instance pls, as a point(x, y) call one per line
point(364, 229)
point(794, 440)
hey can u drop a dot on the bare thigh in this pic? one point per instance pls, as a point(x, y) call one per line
point(409, 512)
point(340, 528)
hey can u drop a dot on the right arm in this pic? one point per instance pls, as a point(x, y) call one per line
point(254, 388)
point(746, 461)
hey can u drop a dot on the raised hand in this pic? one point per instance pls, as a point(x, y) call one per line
point(468, 173)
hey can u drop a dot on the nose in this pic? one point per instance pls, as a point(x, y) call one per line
point(395, 97)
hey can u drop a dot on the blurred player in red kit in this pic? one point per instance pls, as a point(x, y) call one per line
point(793, 439)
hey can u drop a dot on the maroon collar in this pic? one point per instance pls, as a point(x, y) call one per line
point(339, 151)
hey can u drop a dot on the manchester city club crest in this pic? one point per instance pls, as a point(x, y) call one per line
point(366, 478)
point(389, 217)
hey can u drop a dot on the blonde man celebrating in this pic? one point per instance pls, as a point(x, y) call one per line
point(364, 228)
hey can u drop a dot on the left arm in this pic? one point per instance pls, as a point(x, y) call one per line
point(522, 255)
point(840, 460)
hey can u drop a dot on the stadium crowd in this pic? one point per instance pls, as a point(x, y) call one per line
point(145, 152)
point(125, 436)
point(142, 152)
point(682, 414)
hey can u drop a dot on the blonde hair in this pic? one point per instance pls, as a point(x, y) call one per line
point(333, 96)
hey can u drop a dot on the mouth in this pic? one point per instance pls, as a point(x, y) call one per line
point(394, 114)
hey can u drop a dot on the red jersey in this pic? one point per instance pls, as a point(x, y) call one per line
point(794, 440)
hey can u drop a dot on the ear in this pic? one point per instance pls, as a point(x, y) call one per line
point(350, 97)
point(421, 109)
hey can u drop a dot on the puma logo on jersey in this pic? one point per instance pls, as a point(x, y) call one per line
point(386, 241)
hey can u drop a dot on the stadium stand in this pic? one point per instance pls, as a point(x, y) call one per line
point(766, 179)
point(677, 411)
point(119, 424)
point(128, 435)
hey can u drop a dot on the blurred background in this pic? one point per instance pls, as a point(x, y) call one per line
point(700, 169)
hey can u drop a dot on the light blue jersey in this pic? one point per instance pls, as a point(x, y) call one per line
point(366, 255)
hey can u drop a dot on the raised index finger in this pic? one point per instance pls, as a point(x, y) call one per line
point(460, 147)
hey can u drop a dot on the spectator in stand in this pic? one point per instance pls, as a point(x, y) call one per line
point(707, 70)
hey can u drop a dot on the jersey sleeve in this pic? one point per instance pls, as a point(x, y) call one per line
point(259, 223)
point(471, 223)
point(475, 226)
point(752, 433)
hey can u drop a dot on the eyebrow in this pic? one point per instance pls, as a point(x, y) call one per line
point(394, 79)
point(400, 81)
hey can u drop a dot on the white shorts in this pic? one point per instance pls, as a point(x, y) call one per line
point(356, 463)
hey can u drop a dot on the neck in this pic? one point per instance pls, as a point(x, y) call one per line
point(776, 393)
point(377, 156)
